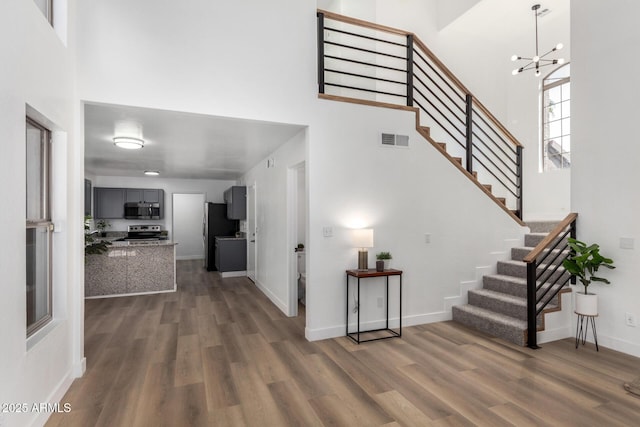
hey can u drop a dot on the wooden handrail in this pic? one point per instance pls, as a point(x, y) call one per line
point(361, 23)
point(535, 252)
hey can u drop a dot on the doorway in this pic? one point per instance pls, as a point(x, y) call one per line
point(252, 233)
point(188, 214)
point(298, 248)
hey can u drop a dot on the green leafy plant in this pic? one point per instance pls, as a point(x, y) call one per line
point(91, 245)
point(102, 225)
point(585, 261)
point(384, 255)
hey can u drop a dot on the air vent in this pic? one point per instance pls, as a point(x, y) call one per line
point(393, 140)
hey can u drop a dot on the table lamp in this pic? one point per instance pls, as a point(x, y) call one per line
point(362, 239)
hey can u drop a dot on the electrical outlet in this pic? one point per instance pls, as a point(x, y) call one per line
point(427, 238)
point(327, 231)
point(380, 302)
point(630, 319)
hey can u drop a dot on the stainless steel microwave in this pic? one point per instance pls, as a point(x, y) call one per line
point(137, 210)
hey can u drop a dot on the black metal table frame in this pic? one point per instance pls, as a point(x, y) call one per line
point(355, 336)
point(582, 330)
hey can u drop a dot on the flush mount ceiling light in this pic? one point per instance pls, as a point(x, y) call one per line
point(538, 61)
point(152, 173)
point(128, 142)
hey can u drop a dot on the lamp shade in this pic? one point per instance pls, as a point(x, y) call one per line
point(363, 238)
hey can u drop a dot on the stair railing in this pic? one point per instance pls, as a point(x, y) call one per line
point(546, 276)
point(372, 63)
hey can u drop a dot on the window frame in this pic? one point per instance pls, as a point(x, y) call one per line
point(544, 88)
point(48, 13)
point(44, 221)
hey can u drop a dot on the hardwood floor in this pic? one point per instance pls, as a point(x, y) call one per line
point(218, 353)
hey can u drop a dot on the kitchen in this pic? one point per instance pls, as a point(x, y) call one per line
point(210, 158)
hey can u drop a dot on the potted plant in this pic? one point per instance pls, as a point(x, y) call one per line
point(91, 245)
point(102, 225)
point(384, 258)
point(583, 262)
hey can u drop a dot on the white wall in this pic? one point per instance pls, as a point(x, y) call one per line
point(604, 172)
point(213, 190)
point(248, 59)
point(272, 219)
point(38, 70)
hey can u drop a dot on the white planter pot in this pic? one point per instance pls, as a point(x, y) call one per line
point(586, 304)
point(386, 263)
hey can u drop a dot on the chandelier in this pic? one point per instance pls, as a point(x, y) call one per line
point(538, 61)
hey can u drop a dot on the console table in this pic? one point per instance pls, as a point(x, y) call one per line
point(366, 274)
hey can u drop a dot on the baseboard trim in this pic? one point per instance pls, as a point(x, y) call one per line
point(188, 257)
point(55, 397)
point(413, 320)
point(272, 297)
point(226, 274)
point(79, 368)
point(550, 335)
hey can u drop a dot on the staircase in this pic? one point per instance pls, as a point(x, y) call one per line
point(499, 308)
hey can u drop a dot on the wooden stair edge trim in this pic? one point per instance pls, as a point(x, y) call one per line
point(555, 309)
point(366, 102)
point(540, 247)
point(470, 176)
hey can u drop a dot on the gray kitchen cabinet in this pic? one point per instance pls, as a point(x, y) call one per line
point(108, 203)
point(144, 195)
point(231, 254)
point(236, 200)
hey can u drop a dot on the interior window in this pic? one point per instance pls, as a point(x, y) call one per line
point(556, 119)
point(46, 6)
point(39, 226)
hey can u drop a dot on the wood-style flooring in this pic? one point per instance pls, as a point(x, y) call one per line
point(218, 353)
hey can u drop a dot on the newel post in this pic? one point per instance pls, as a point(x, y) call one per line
point(532, 327)
point(409, 70)
point(469, 127)
point(320, 52)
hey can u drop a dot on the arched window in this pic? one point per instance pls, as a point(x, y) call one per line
point(556, 119)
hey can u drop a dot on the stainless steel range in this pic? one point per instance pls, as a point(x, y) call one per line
point(144, 233)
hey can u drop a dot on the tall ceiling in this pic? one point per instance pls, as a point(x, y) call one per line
point(179, 145)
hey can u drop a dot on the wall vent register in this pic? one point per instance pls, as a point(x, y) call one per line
point(393, 140)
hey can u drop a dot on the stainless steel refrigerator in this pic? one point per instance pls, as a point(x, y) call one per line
point(215, 224)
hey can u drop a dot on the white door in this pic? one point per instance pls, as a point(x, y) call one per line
point(187, 225)
point(252, 232)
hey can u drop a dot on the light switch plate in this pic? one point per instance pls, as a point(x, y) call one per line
point(327, 231)
point(627, 243)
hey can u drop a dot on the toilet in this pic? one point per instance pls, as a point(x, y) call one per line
point(302, 277)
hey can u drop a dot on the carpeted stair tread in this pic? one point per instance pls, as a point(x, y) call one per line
point(510, 305)
point(518, 253)
point(542, 226)
point(490, 322)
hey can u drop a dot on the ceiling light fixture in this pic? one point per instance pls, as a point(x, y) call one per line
point(538, 61)
point(128, 142)
point(152, 173)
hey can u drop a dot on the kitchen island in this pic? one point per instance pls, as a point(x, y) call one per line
point(131, 268)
